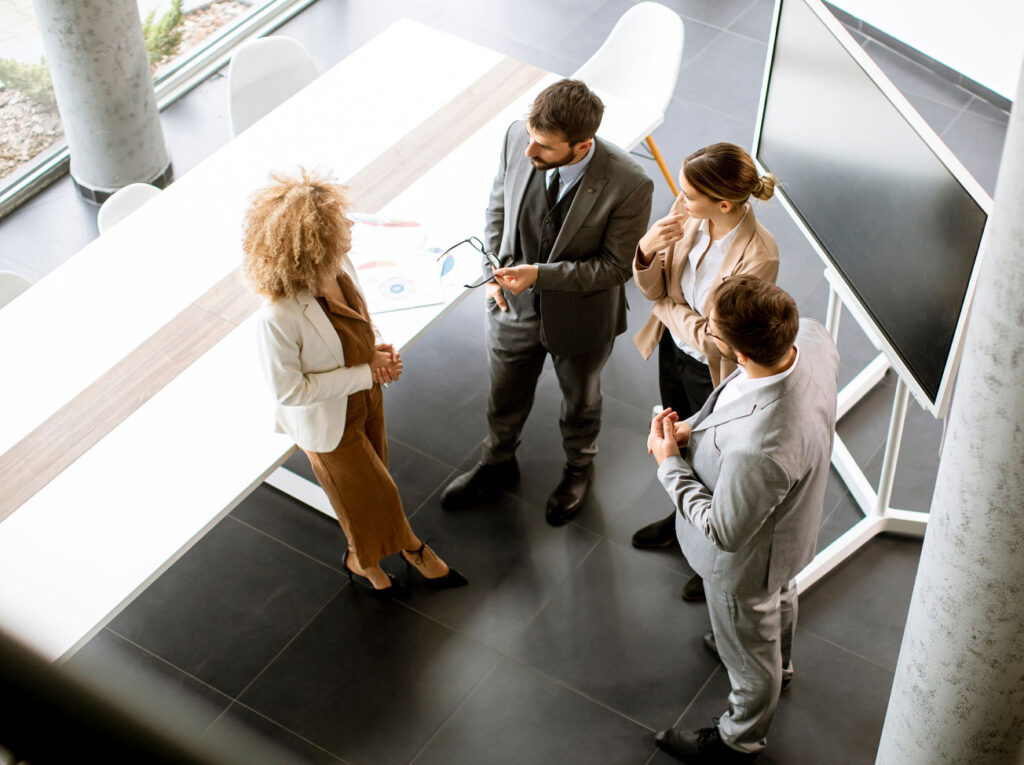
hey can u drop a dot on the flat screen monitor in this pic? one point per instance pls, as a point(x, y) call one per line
point(885, 203)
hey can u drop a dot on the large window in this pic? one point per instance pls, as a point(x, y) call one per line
point(186, 40)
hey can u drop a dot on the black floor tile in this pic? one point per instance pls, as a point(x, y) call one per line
point(614, 632)
point(33, 237)
point(239, 720)
point(514, 560)
point(911, 77)
point(833, 711)
point(621, 467)
point(652, 505)
point(737, 86)
point(720, 14)
point(938, 116)
point(330, 31)
point(439, 406)
point(228, 605)
point(518, 716)
point(756, 21)
point(978, 143)
point(983, 108)
point(369, 681)
point(139, 678)
point(839, 519)
point(862, 605)
point(290, 521)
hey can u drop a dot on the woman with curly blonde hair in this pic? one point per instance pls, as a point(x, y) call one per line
point(325, 365)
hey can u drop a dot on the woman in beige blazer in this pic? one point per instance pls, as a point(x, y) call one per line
point(709, 234)
point(323, 361)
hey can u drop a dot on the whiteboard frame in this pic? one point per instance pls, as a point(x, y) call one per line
point(940, 405)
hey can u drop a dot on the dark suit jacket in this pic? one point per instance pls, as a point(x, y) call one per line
point(582, 297)
point(751, 489)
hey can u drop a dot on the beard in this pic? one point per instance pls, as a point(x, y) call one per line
point(542, 165)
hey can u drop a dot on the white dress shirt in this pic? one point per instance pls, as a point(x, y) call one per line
point(698, 276)
point(741, 385)
point(569, 175)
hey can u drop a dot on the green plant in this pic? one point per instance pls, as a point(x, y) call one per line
point(31, 79)
point(164, 36)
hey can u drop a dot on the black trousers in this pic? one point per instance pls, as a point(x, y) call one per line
point(684, 382)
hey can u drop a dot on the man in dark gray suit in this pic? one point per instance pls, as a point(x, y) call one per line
point(565, 214)
point(748, 498)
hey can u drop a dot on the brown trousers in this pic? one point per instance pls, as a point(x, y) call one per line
point(355, 478)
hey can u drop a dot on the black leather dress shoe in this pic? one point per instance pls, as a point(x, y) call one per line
point(712, 648)
point(567, 498)
point(693, 590)
point(482, 482)
point(700, 746)
point(658, 534)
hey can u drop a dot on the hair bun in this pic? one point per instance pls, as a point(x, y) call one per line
point(765, 187)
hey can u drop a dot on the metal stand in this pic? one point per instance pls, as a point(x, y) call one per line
point(879, 517)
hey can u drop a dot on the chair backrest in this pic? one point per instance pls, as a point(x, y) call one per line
point(264, 73)
point(12, 285)
point(640, 58)
point(122, 203)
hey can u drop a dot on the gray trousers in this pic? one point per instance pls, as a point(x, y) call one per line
point(516, 358)
point(754, 636)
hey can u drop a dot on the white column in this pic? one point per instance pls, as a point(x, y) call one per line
point(97, 58)
point(958, 695)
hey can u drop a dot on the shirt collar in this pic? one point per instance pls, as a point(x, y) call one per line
point(569, 174)
point(748, 384)
point(723, 243)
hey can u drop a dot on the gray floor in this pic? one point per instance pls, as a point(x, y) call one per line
point(568, 646)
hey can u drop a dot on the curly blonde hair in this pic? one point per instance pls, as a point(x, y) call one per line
point(296, 234)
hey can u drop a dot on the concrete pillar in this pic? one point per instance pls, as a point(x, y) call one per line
point(100, 71)
point(958, 694)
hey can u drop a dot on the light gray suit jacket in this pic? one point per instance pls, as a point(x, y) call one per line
point(750, 492)
point(582, 297)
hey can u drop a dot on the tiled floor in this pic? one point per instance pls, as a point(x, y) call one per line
point(568, 645)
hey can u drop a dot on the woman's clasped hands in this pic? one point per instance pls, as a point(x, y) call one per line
point(386, 364)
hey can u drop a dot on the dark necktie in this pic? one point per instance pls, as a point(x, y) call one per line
point(553, 190)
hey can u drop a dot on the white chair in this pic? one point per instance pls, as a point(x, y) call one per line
point(264, 73)
point(639, 61)
point(12, 285)
point(122, 203)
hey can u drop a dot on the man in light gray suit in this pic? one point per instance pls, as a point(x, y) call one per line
point(564, 217)
point(748, 497)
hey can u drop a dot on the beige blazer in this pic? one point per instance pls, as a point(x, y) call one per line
point(303, 363)
point(752, 251)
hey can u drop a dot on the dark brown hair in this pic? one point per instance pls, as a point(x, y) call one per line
point(725, 172)
point(756, 318)
point(567, 107)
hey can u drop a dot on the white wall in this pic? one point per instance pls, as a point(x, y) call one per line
point(982, 39)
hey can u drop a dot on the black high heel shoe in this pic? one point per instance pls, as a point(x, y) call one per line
point(452, 579)
point(396, 590)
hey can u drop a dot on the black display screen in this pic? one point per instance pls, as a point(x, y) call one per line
point(889, 214)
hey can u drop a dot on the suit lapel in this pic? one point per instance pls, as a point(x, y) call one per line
point(316, 316)
point(589, 190)
point(740, 241)
point(520, 172)
point(681, 255)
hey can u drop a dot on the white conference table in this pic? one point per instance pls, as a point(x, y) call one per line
point(413, 120)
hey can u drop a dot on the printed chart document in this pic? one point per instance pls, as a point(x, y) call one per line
point(396, 269)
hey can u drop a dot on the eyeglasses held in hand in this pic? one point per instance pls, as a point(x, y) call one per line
point(449, 259)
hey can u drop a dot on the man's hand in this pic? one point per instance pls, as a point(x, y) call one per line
point(682, 434)
point(494, 293)
point(663, 234)
point(517, 278)
point(662, 439)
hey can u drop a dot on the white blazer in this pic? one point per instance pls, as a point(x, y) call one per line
point(304, 365)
